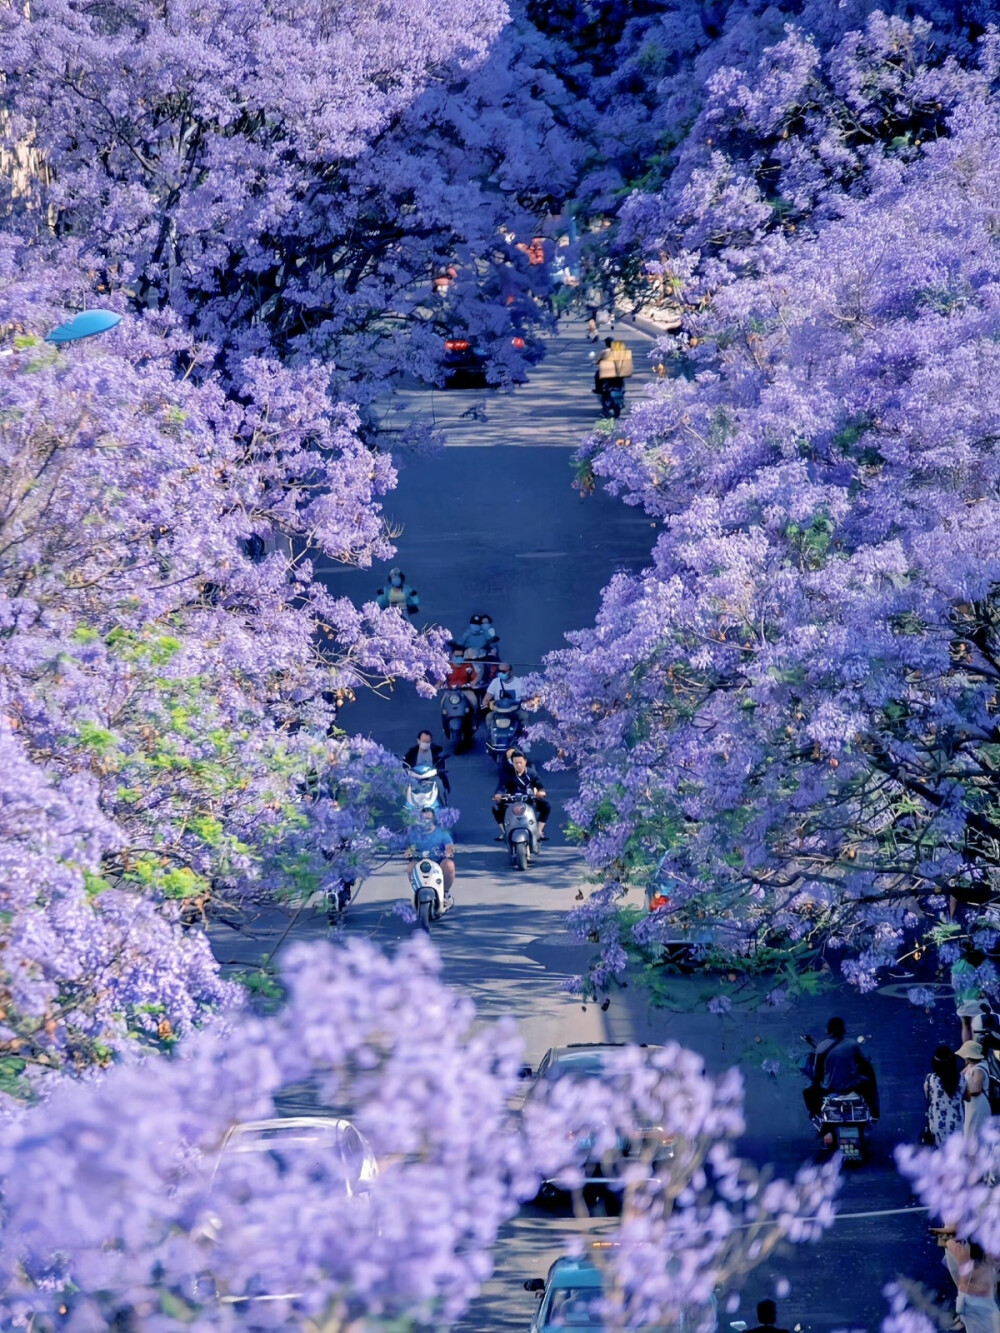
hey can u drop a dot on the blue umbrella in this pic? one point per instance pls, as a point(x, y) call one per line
point(84, 325)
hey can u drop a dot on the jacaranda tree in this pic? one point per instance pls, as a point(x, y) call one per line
point(790, 717)
point(166, 651)
point(129, 1201)
point(300, 180)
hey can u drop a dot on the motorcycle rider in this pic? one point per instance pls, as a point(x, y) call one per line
point(480, 635)
point(435, 843)
point(428, 754)
point(840, 1066)
point(522, 779)
point(606, 372)
point(504, 685)
point(397, 592)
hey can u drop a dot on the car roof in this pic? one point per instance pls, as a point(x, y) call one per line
point(568, 1271)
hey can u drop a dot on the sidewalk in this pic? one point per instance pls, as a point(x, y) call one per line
point(653, 328)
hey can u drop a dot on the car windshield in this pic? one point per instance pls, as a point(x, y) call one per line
point(574, 1307)
point(578, 1064)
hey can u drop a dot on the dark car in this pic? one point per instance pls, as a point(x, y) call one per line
point(466, 358)
point(594, 1060)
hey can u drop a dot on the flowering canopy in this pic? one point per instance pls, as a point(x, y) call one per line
point(120, 1198)
point(792, 712)
point(300, 180)
point(150, 645)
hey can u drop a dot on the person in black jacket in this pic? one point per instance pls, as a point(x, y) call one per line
point(427, 751)
point(521, 779)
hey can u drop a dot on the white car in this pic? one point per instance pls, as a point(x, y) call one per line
point(331, 1152)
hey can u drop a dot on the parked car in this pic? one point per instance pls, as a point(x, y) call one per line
point(594, 1060)
point(327, 1150)
point(572, 1294)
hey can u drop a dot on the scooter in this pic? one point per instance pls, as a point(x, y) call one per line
point(458, 718)
point(612, 398)
point(424, 790)
point(427, 883)
point(520, 829)
point(503, 726)
point(844, 1123)
point(485, 668)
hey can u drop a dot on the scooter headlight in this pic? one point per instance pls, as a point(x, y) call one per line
point(426, 867)
point(519, 809)
point(454, 698)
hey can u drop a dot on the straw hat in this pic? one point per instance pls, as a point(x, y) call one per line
point(970, 1050)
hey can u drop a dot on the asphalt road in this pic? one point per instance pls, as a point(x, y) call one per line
point(491, 523)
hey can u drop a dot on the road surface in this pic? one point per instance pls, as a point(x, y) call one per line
point(491, 523)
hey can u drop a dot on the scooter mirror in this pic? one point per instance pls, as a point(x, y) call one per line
point(526, 1071)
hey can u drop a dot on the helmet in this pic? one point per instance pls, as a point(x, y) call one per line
point(480, 618)
point(397, 574)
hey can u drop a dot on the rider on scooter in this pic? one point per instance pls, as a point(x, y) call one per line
point(428, 754)
point(480, 635)
point(522, 779)
point(435, 843)
point(504, 685)
point(840, 1066)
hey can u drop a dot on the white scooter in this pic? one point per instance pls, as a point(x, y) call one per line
point(520, 829)
point(423, 790)
point(429, 901)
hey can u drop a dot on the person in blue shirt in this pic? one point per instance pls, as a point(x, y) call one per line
point(436, 843)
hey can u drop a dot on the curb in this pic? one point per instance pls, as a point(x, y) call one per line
point(647, 326)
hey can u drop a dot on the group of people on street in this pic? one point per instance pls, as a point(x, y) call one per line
point(962, 1089)
point(516, 776)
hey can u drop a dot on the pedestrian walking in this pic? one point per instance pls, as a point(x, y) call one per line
point(975, 1275)
point(943, 1093)
point(977, 1105)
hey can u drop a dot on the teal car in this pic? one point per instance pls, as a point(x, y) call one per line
point(572, 1297)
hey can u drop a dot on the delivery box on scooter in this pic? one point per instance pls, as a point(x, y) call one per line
point(615, 362)
point(623, 359)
